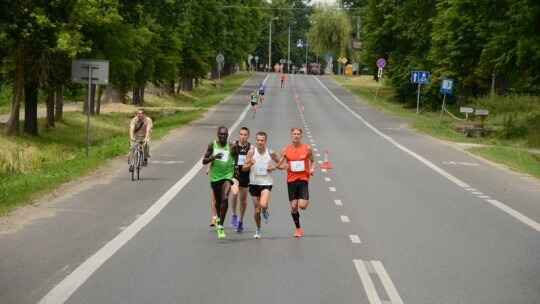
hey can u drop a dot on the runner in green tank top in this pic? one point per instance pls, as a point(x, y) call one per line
point(223, 157)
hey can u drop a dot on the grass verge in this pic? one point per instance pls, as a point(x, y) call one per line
point(31, 166)
point(505, 151)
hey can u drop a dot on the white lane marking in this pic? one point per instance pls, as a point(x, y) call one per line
point(320, 161)
point(61, 292)
point(309, 136)
point(318, 154)
point(323, 170)
point(311, 140)
point(355, 239)
point(345, 219)
point(515, 214)
point(477, 193)
point(332, 189)
point(449, 176)
point(484, 196)
point(167, 162)
point(338, 203)
point(314, 145)
point(387, 283)
point(369, 288)
point(328, 179)
point(460, 163)
point(315, 149)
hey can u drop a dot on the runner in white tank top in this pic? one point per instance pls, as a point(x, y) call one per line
point(260, 177)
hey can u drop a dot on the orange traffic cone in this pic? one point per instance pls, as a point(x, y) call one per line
point(302, 110)
point(325, 164)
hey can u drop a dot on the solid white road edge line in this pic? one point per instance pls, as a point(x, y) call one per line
point(61, 292)
point(503, 207)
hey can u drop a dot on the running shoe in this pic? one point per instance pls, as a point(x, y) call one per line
point(213, 222)
point(217, 222)
point(266, 215)
point(298, 232)
point(234, 220)
point(240, 227)
point(220, 232)
point(257, 234)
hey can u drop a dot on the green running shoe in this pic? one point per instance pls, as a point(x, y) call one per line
point(220, 232)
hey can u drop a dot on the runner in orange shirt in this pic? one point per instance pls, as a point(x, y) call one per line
point(300, 165)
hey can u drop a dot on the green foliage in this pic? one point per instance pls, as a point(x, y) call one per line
point(330, 31)
point(30, 165)
point(474, 43)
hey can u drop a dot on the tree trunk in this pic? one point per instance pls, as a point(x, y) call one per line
point(137, 100)
point(111, 94)
point(49, 121)
point(31, 89)
point(59, 102)
point(12, 125)
point(188, 84)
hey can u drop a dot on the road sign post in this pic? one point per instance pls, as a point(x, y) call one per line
point(88, 71)
point(219, 59)
point(381, 63)
point(419, 77)
point(447, 85)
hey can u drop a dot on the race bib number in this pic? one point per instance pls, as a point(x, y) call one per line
point(241, 159)
point(261, 170)
point(297, 166)
point(224, 157)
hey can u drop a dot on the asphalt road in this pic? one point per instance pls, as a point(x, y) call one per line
point(400, 218)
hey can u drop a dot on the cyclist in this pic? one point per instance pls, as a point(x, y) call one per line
point(140, 128)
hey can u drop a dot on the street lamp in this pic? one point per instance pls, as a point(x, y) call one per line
point(289, 50)
point(270, 44)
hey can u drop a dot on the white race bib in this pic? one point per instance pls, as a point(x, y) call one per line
point(241, 159)
point(261, 170)
point(224, 157)
point(297, 166)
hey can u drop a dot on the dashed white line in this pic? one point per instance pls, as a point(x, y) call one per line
point(345, 219)
point(332, 189)
point(431, 165)
point(328, 179)
point(355, 239)
point(338, 203)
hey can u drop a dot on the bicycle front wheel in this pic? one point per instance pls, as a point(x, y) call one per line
point(139, 164)
point(135, 162)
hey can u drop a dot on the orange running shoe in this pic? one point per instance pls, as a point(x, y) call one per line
point(213, 222)
point(298, 232)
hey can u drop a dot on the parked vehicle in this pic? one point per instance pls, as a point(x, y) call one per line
point(314, 69)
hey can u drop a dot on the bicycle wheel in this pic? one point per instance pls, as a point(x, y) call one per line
point(139, 164)
point(135, 162)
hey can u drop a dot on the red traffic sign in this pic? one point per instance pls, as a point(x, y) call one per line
point(381, 63)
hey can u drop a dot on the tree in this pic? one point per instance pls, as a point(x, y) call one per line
point(330, 31)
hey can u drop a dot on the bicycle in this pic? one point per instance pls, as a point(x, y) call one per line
point(137, 158)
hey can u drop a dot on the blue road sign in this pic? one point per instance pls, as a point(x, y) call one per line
point(421, 77)
point(447, 84)
point(329, 57)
